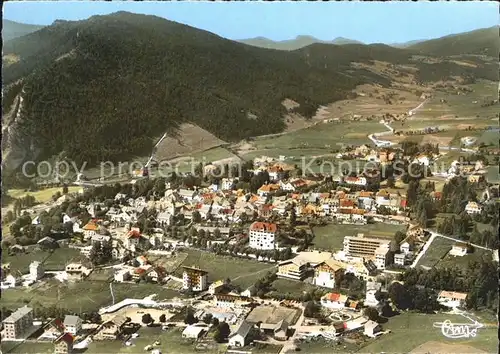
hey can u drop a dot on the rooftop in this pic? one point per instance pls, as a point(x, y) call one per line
point(18, 314)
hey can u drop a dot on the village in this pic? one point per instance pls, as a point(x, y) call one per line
point(272, 220)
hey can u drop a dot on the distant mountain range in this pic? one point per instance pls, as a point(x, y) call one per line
point(294, 44)
point(12, 29)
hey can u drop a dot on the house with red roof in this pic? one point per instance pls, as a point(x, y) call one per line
point(64, 344)
point(261, 235)
point(334, 300)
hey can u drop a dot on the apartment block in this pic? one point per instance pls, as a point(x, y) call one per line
point(194, 278)
point(18, 323)
point(262, 235)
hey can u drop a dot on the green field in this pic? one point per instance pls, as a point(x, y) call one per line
point(293, 287)
point(27, 347)
point(463, 262)
point(322, 346)
point(43, 195)
point(322, 136)
point(170, 342)
point(242, 272)
point(493, 176)
point(410, 330)
point(437, 250)
point(489, 137)
point(331, 237)
point(56, 260)
point(80, 296)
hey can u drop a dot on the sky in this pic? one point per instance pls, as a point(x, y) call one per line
point(375, 22)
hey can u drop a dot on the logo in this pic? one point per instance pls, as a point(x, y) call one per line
point(458, 330)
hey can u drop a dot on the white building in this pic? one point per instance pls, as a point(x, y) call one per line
point(399, 259)
point(193, 331)
point(333, 301)
point(473, 208)
point(451, 299)
point(382, 255)
point(194, 279)
point(371, 290)
point(227, 184)
point(72, 324)
point(36, 270)
point(459, 250)
point(262, 235)
point(241, 337)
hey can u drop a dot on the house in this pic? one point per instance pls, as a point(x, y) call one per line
point(72, 324)
point(156, 274)
point(11, 281)
point(194, 278)
point(262, 235)
point(452, 299)
point(133, 238)
point(459, 249)
point(371, 328)
point(405, 247)
point(251, 291)
point(142, 261)
point(90, 229)
point(241, 336)
point(47, 243)
point(112, 328)
point(473, 208)
point(122, 275)
point(326, 272)
point(18, 324)
point(423, 160)
point(216, 287)
point(36, 270)
point(76, 271)
point(227, 183)
point(334, 300)
point(193, 332)
point(382, 256)
point(267, 189)
point(63, 344)
point(165, 218)
point(399, 259)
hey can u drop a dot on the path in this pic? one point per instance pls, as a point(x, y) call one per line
point(154, 149)
point(257, 272)
point(433, 236)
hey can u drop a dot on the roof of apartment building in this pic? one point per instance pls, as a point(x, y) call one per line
point(263, 226)
point(19, 313)
point(70, 320)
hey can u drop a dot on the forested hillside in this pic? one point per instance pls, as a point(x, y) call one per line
point(480, 42)
point(12, 29)
point(103, 88)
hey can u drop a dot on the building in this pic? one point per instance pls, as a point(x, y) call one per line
point(63, 344)
point(133, 238)
point(90, 229)
point(193, 332)
point(326, 272)
point(267, 189)
point(241, 337)
point(18, 323)
point(216, 287)
point(382, 256)
point(72, 324)
point(278, 330)
point(122, 275)
point(262, 235)
point(227, 184)
point(194, 279)
point(112, 328)
point(293, 269)
point(399, 259)
point(361, 246)
point(230, 301)
point(459, 249)
point(473, 208)
point(371, 329)
point(36, 270)
point(76, 271)
point(334, 301)
point(452, 299)
point(371, 290)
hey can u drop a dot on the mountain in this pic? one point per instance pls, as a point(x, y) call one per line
point(12, 29)
point(107, 87)
point(479, 42)
point(104, 88)
point(294, 44)
point(406, 44)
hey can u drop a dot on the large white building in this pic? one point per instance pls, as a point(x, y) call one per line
point(262, 235)
point(375, 249)
point(194, 279)
point(36, 270)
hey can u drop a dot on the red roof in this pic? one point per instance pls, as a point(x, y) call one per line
point(263, 226)
point(346, 203)
point(134, 234)
point(333, 296)
point(351, 179)
point(67, 337)
point(139, 270)
point(404, 203)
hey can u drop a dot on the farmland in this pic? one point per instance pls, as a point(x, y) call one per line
point(43, 195)
point(55, 260)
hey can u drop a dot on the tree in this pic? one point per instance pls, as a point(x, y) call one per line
point(222, 332)
point(189, 318)
point(147, 319)
point(65, 189)
point(400, 296)
point(311, 309)
point(207, 318)
point(196, 217)
point(163, 318)
point(293, 217)
point(371, 313)
point(215, 321)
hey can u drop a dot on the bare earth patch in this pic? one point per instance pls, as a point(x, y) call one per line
point(188, 139)
point(434, 347)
